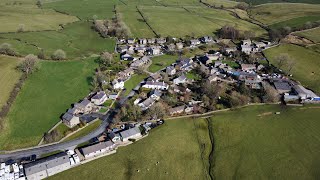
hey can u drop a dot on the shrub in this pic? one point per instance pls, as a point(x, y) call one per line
point(59, 55)
point(6, 48)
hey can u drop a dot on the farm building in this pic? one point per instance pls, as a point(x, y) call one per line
point(97, 149)
point(156, 85)
point(176, 110)
point(132, 133)
point(282, 86)
point(48, 166)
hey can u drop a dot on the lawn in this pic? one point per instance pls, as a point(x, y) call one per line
point(270, 14)
point(86, 130)
point(77, 40)
point(133, 82)
point(9, 76)
point(85, 9)
point(224, 3)
point(19, 47)
point(31, 17)
point(160, 62)
point(45, 96)
point(312, 34)
point(205, 21)
point(255, 2)
point(296, 23)
point(307, 63)
point(177, 146)
point(258, 144)
point(135, 23)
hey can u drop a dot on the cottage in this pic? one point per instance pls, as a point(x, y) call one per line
point(151, 41)
point(156, 77)
point(142, 41)
point(230, 50)
point(185, 64)
point(260, 45)
point(179, 45)
point(126, 73)
point(99, 98)
point(70, 120)
point(126, 57)
point(155, 50)
point(246, 49)
point(161, 40)
point(176, 110)
point(97, 149)
point(253, 84)
point(282, 86)
point(141, 62)
point(194, 42)
point(131, 41)
point(206, 39)
point(140, 50)
point(48, 166)
point(205, 60)
point(74, 111)
point(170, 70)
point(146, 104)
point(114, 137)
point(246, 42)
point(122, 49)
point(248, 67)
point(156, 94)
point(85, 106)
point(180, 80)
point(215, 56)
point(118, 84)
point(156, 85)
point(132, 133)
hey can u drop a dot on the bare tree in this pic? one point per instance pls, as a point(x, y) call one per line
point(106, 58)
point(271, 94)
point(157, 111)
point(59, 55)
point(284, 60)
point(28, 64)
point(21, 28)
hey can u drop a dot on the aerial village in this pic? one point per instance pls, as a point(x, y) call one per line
point(184, 87)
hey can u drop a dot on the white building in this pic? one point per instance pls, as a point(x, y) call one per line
point(132, 133)
point(99, 98)
point(118, 84)
point(156, 85)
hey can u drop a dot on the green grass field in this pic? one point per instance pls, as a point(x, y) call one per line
point(175, 145)
point(9, 75)
point(255, 2)
point(135, 22)
point(76, 39)
point(206, 21)
point(133, 82)
point(296, 23)
point(84, 9)
point(219, 3)
point(313, 34)
point(256, 145)
point(46, 95)
point(285, 13)
point(160, 62)
point(307, 63)
point(33, 18)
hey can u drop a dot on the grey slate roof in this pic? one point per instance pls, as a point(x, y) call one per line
point(67, 116)
point(46, 163)
point(99, 95)
point(130, 132)
point(96, 147)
